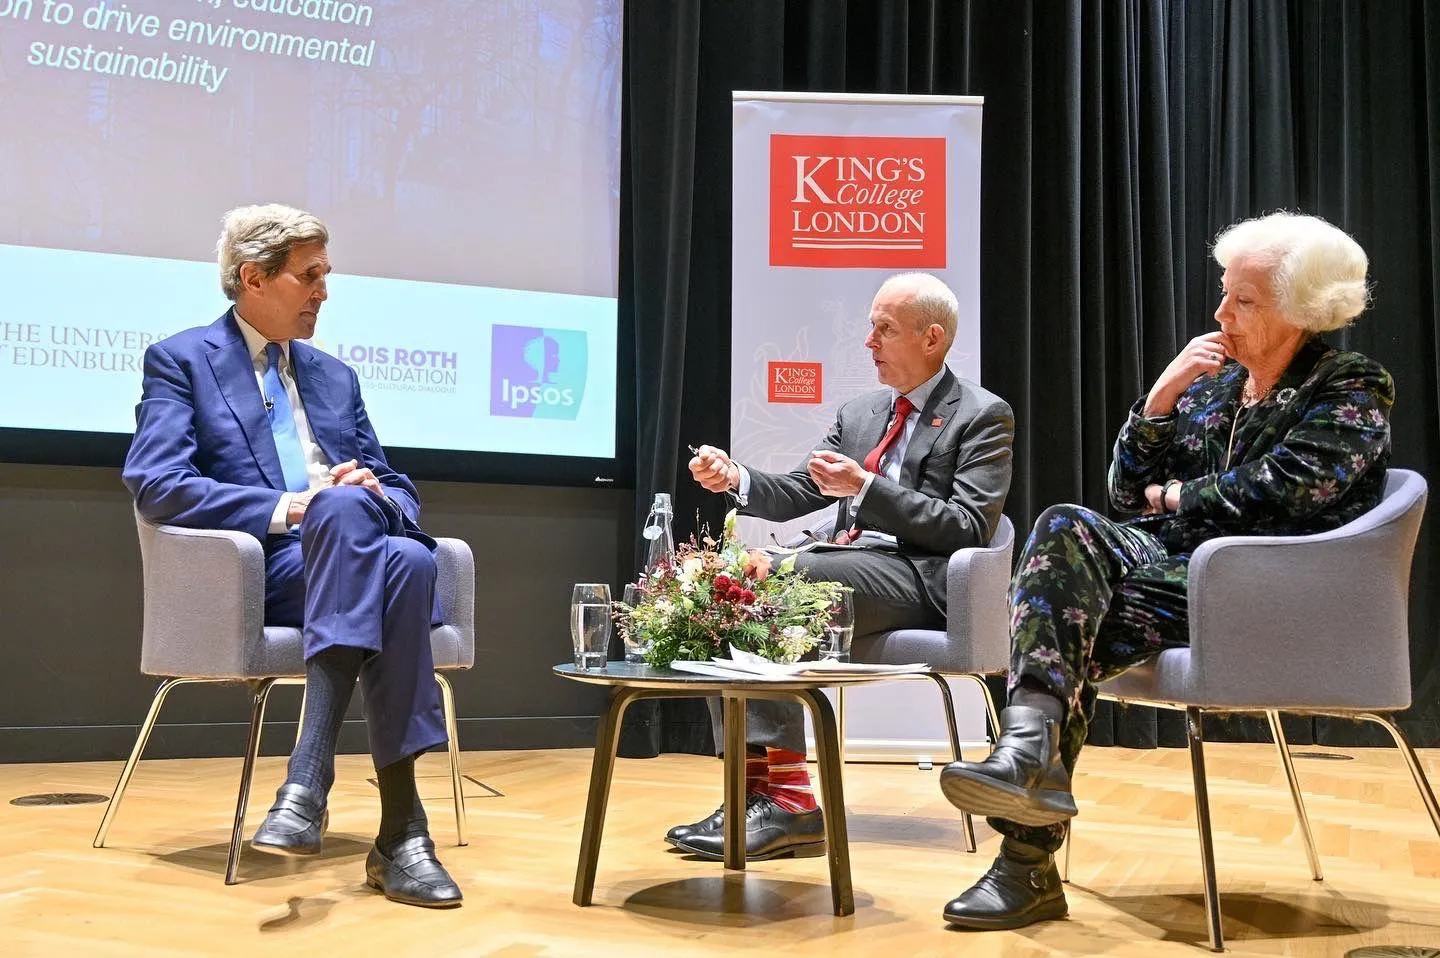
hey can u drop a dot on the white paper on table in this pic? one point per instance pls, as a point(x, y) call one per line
point(722, 671)
point(742, 664)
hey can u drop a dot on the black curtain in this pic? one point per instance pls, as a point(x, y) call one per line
point(1119, 136)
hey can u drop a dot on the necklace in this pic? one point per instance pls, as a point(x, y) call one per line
point(1250, 395)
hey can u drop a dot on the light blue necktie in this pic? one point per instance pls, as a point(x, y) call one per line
point(282, 424)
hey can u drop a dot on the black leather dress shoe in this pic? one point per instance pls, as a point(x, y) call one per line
point(1021, 888)
point(294, 824)
point(770, 832)
point(412, 875)
point(679, 833)
point(1023, 780)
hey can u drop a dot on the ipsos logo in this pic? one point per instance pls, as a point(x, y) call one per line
point(537, 373)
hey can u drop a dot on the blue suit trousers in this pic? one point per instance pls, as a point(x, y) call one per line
point(345, 579)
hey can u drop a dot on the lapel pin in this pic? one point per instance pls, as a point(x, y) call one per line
point(937, 421)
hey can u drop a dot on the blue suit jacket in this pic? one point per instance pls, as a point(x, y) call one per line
point(203, 455)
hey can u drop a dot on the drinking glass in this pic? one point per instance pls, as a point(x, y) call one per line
point(590, 625)
point(839, 628)
point(635, 647)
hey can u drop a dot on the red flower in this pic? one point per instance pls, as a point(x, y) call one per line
point(722, 582)
point(747, 596)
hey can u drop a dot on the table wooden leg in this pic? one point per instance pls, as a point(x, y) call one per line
point(832, 792)
point(607, 739)
point(735, 755)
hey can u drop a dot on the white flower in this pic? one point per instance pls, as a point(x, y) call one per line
point(1037, 563)
point(690, 568)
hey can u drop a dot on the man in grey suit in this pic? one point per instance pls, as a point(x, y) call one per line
point(918, 469)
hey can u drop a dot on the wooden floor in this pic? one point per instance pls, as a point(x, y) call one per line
point(157, 889)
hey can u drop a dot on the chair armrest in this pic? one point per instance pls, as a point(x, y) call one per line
point(455, 586)
point(204, 601)
point(977, 617)
point(1286, 615)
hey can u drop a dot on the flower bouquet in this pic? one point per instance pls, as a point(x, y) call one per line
point(712, 595)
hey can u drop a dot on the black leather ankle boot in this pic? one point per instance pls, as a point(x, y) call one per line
point(1023, 780)
point(1021, 888)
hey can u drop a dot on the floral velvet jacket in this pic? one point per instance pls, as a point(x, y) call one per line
point(1308, 457)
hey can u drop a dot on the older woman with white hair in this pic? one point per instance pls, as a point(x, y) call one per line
point(1259, 428)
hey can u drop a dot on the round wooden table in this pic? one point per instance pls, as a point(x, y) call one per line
point(629, 682)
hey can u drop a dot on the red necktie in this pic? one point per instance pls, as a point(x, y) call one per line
point(903, 408)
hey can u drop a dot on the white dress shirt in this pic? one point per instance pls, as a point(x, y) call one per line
point(316, 466)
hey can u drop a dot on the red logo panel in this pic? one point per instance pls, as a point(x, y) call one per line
point(794, 382)
point(857, 201)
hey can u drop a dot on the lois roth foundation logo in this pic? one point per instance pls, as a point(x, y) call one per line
point(791, 382)
point(857, 201)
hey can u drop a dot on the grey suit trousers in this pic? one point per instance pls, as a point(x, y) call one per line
point(888, 595)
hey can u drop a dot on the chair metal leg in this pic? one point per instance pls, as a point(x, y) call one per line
point(1278, 731)
point(259, 695)
point(952, 730)
point(143, 738)
point(1195, 734)
point(947, 701)
point(1417, 771)
point(991, 715)
point(1065, 859)
point(452, 732)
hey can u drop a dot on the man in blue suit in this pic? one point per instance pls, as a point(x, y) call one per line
point(241, 426)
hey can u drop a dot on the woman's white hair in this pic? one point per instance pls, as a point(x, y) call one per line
point(933, 302)
point(1317, 271)
point(263, 235)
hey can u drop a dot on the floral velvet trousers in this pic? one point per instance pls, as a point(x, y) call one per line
point(1091, 598)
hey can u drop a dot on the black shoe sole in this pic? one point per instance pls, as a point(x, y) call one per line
point(418, 903)
point(982, 795)
point(801, 849)
point(1052, 911)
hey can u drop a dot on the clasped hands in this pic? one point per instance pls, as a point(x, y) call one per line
point(345, 474)
point(835, 475)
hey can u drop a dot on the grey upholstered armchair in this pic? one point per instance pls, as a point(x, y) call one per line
point(204, 622)
point(976, 640)
point(1314, 624)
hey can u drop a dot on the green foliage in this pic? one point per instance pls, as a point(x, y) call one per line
point(710, 597)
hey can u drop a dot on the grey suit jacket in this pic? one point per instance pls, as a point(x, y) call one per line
point(952, 483)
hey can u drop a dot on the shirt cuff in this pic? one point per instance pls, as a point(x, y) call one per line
point(278, 525)
point(859, 497)
point(742, 494)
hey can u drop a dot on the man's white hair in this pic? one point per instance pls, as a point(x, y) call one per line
point(931, 302)
point(1317, 271)
point(263, 235)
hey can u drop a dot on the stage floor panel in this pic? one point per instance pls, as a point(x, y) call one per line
point(157, 888)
